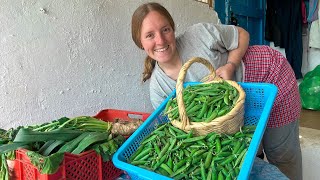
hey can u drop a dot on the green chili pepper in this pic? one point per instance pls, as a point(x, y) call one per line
point(203, 171)
point(166, 168)
point(197, 138)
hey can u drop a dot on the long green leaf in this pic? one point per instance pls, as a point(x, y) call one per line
point(45, 146)
point(92, 138)
point(28, 135)
point(12, 146)
point(4, 171)
point(71, 145)
point(52, 146)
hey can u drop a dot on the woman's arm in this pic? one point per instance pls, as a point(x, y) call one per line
point(235, 56)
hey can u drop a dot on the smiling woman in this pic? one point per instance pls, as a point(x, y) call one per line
point(227, 48)
point(153, 30)
point(158, 38)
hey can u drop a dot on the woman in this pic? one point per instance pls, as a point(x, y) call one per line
point(226, 47)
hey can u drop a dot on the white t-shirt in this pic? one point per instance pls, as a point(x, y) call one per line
point(209, 41)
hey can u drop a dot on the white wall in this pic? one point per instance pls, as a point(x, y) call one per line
point(69, 58)
point(75, 57)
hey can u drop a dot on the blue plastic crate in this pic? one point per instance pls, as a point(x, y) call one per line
point(258, 105)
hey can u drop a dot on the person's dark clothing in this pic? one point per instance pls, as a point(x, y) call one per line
point(284, 28)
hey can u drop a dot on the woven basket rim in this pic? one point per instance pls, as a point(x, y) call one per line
point(184, 122)
point(233, 112)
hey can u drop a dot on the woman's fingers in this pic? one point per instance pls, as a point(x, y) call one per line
point(225, 73)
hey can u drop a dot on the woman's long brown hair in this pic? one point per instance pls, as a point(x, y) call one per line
point(136, 22)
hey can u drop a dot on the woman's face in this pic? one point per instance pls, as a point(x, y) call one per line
point(158, 38)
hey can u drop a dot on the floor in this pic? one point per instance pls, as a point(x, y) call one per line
point(310, 119)
point(310, 143)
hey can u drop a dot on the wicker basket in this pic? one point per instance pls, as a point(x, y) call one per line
point(228, 123)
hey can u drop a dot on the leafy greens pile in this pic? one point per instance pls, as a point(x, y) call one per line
point(47, 143)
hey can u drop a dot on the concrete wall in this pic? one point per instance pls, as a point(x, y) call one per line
point(76, 57)
point(70, 58)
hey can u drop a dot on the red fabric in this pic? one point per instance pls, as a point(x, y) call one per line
point(304, 12)
point(264, 64)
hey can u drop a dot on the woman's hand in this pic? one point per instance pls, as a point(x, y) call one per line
point(226, 72)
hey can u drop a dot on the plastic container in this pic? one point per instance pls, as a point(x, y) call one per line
point(111, 115)
point(258, 105)
point(85, 166)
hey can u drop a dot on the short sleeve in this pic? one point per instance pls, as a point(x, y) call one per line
point(218, 37)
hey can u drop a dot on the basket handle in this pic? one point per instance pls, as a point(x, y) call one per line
point(179, 86)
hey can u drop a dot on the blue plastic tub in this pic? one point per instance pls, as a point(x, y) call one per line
point(258, 105)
